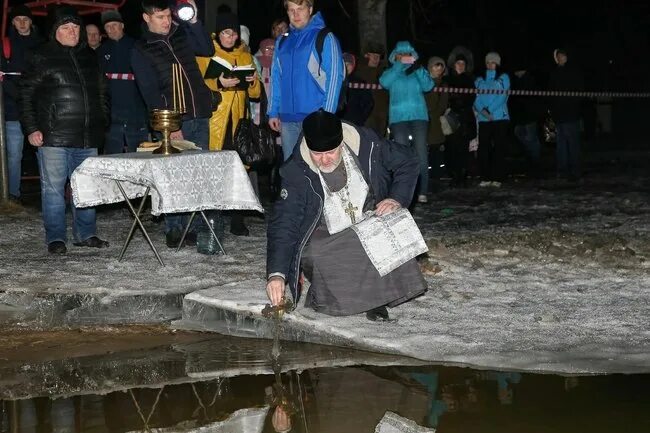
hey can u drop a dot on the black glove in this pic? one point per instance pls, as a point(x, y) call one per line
point(414, 67)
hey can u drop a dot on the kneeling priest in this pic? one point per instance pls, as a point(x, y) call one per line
point(342, 221)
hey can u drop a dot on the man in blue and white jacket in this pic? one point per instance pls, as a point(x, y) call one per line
point(303, 79)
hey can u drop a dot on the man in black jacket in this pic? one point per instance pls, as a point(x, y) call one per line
point(163, 44)
point(128, 113)
point(525, 112)
point(340, 175)
point(64, 112)
point(566, 112)
point(23, 38)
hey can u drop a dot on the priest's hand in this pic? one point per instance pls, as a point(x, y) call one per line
point(275, 290)
point(281, 420)
point(387, 206)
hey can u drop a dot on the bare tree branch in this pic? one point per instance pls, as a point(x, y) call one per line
point(345, 12)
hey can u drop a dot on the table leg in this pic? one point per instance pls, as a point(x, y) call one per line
point(137, 221)
point(187, 228)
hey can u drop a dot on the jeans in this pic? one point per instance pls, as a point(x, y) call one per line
point(567, 150)
point(417, 130)
point(123, 133)
point(198, 132)
point(289, 133)
point(15, 139)
point(56, 165)
point(527, 135)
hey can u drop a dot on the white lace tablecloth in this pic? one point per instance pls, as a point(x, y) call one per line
point(186, 182)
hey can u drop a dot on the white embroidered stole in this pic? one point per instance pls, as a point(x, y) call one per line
point(344, 208)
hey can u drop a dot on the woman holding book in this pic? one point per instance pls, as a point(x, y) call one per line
point(232, 73)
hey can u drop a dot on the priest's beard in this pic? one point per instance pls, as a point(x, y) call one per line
point(330, 167)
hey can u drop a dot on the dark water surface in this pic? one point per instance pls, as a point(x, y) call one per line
point(199, 385)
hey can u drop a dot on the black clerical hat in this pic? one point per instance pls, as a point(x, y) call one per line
point(322, 130)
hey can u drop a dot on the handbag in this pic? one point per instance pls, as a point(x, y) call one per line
point(255, 144)
point(449, 122)
point(548, 128)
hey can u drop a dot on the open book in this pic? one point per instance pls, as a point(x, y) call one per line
point(219, 65)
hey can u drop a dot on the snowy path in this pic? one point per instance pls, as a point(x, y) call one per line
point(544, 277)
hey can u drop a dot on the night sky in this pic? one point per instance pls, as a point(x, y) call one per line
point(608, 39)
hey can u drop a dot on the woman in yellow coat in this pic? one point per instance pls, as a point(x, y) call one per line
point(229, 47)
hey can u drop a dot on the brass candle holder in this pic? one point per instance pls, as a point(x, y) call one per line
point(166, 122)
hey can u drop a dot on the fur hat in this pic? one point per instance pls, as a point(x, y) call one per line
point(61, 15)
point(493, 57)
point(322, 131)
point(20, 11)
point(374, 47)
point(227, 21)
point(110, 16)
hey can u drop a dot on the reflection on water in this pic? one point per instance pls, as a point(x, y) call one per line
point(222, 384)
point(351, 399)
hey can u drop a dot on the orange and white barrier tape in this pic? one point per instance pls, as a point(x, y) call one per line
point(110, 76)
point(369, 86)
point(119, 76)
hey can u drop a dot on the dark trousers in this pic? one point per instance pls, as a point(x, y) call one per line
point(567, 151)
point(457, 157)
point(492, 144)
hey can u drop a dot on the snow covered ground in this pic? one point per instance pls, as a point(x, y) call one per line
point(543, 275)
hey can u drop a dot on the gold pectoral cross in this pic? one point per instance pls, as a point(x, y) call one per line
point(350, 209)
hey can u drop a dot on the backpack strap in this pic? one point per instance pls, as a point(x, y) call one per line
point(320, 43)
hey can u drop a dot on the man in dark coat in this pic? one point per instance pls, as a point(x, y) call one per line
point(128, 113)
point(526, 112)
point(566, 112)
point(165, 43)
point(369, 69)
point(64, 112)
point(358, 103)
point(23, 38)
point(338, 176)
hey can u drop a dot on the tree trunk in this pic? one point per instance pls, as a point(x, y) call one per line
point(372, 22)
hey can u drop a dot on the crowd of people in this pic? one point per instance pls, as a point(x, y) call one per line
point(347, 150)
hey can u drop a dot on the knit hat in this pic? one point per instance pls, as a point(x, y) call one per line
point(245, 34)
point(322, 131)
point(110, 16)
point(20, 11)
point(61, 15)
point(227, 21)
point(435, 60)
point(265, 56)
point(493, 57)
point(349, 58)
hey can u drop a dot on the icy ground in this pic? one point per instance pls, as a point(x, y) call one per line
point(542, 275)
